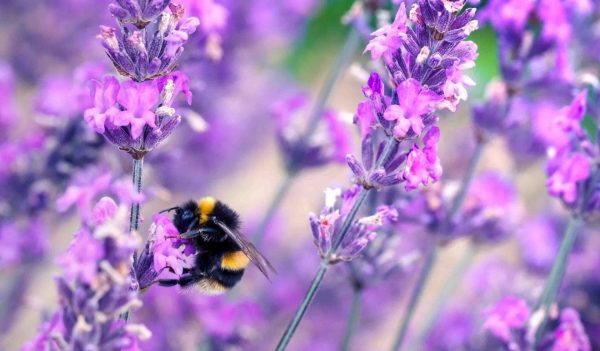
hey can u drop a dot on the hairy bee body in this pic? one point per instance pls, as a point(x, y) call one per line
point(222, 253)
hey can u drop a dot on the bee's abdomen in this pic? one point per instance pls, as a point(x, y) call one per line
point(227, 279)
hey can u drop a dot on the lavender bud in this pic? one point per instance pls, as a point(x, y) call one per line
point(355, 167)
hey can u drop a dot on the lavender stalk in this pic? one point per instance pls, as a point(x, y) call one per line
point(357, 293)
point(137, 183)
point(555, 277)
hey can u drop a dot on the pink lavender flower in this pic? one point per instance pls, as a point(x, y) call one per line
point(389, 38)
point(509, 314)
point(105, 100)
point(570, 334)
point(424, 165)
point(170, 251)
point(414, 101)
point(566, 171)
point(137, 116)
point(138, 101)
point(573, 161)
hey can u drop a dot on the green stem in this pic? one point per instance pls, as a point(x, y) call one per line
point(353, 319)
point(557, 273)
point(308, 298)
point(134, 220)
point(282, 191)
point(450, 286)
point(415, 297)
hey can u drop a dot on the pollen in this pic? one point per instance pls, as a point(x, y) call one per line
point(234, 261)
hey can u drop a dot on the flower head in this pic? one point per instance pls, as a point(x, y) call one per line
point(570, 334)
point(137, 116)
point(508, 314)
point(329, 143)
point(326, 227)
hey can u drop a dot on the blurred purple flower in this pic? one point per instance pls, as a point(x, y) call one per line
point(329, 143)
point(510, 313)
point(95, 288)
point(539, 240)
point(80, 261)
point(573, 163)
point(570, 334)
point(8, 112)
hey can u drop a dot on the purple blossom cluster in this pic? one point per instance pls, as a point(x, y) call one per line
point(425, 54)
point(138, 114)
point(94, 288)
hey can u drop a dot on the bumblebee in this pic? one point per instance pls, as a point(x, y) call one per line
point(223, 253)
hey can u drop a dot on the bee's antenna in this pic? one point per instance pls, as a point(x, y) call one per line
point(170, 209)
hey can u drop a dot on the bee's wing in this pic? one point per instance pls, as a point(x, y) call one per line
point(250, 250)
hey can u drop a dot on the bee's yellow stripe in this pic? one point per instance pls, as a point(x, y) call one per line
point(206, 205)
point(234, 261)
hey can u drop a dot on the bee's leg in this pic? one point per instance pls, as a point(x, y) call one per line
point(183, 281)
point(170, 209)
point(192, 225)
point(195, 233)
point(168, 282)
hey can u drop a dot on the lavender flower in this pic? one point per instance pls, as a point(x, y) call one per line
point(95, 287)
point(570, 334)
point(136, 116)
point(152, 48)
point(425, 55)
point(510, 313)
point(164, 253)
point(325, 227)
point(573, 160)
point(329, 143)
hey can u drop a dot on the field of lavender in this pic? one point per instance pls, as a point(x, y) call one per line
point(417, 175)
